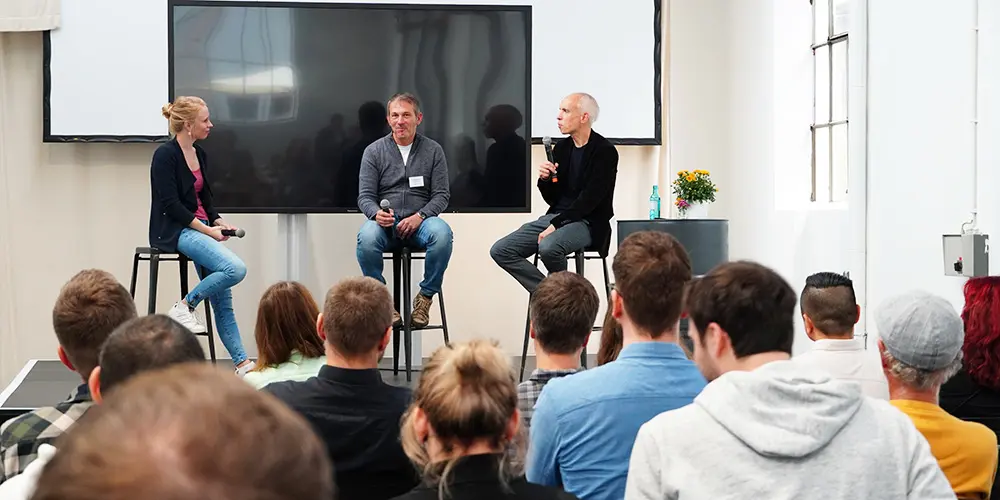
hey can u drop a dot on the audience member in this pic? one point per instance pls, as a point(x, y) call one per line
point(921, 345)
point(829, 312)
point(139, 345)
point(188, 431)
point(355, 413)
point(562, 311)
point(973, 394)
point(288, 347)
point(89, 307)
point(611, 339)
point(584, 425)
point(767, 427)
point(462, 420)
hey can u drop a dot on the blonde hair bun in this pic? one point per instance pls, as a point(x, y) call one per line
point(184, 110)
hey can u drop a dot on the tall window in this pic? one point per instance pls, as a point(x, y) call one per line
point(829, 126)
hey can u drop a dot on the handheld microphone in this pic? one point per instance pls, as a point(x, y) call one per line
point(547, 144)
point(239, 233)
point(385, 209)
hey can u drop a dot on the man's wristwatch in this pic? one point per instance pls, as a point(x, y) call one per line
point(422, 216)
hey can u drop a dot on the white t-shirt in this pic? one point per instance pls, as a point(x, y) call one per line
point(848, 360)
point(405, 151)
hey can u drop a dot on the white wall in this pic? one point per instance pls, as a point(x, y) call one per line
point(738, 105)
point(65, 207)
point(921, 149)
point(741, 108)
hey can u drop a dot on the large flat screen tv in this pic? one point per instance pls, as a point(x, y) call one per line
point(298, 90)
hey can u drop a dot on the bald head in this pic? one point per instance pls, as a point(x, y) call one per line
point(578, 111)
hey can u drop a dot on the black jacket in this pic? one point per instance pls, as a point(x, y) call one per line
point(173, 196)
point(476, 477)
point(594, 202)
point(357, 416)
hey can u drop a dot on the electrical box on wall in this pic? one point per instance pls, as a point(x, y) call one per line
point(966, 254)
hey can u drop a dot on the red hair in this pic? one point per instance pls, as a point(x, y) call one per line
point(981, 316)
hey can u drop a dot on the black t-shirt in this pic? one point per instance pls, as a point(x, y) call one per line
point(571, 176)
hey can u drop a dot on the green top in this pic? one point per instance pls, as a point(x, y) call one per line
point(296, 368)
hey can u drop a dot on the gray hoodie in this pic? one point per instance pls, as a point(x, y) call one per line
point(783, 431)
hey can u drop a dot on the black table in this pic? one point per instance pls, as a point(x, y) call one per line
point(706, 242)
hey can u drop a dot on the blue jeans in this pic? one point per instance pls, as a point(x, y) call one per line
point(434, 236)
point(219, 269)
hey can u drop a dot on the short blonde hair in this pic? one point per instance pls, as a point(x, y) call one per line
point(469, 393)
point(182, 111)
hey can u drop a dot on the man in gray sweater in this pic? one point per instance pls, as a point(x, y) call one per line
point(768, 427)
point(409, 171)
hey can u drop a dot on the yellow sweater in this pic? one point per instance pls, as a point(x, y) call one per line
point(966, 451)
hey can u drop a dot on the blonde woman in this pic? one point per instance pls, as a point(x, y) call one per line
point(182, 219)
point(463, 418)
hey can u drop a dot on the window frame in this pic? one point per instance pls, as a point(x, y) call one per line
point(828, 124)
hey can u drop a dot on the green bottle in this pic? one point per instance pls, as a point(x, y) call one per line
point(654, 204)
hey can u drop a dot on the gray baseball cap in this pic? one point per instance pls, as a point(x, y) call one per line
point(920, 329)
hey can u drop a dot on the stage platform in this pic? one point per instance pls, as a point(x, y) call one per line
point(44, 382)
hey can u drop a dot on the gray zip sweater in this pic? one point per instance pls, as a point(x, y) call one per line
point(383, 176)
point(783, 431)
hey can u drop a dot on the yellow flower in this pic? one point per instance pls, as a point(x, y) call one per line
point(682, 173)
point(690, 177)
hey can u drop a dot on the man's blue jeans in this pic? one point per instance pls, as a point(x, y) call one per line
point(219, 269)
point(434, 236)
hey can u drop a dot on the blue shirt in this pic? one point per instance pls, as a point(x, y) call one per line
point(585, 424)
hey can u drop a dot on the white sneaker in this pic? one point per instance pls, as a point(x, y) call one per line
point(243, 370)
point(182, 314)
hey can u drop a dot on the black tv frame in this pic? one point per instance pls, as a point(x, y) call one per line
point(48, 137)
point(368, 6)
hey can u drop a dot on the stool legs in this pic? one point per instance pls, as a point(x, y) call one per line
point(444, 318)
point(524, 348)
point(154, 271)
point(407, 314)
point(208, 330)
point(402, 299)
point(397, 276)
point(135, 274)
point(580, 261)
point(182, 266)
point(581, 264)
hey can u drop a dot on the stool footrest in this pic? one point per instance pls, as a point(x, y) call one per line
point(420, 329)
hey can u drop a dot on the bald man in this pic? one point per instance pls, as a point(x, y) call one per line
point(579, 187)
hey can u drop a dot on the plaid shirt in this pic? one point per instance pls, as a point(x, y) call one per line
point(529, 390)
point(20, 437)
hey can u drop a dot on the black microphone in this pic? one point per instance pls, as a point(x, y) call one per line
point(239, 233)
point(547, 144)
point(385, 205)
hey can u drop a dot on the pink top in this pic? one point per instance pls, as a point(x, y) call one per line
point(199, 184)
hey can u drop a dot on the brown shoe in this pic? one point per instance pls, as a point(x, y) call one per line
point(397, 320)
point(421, 311)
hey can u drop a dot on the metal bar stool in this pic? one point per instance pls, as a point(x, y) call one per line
point(580, 258)
point(154, 256)
point(402, 268)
